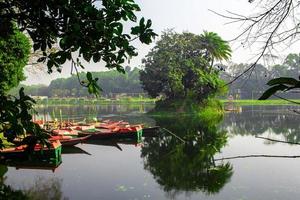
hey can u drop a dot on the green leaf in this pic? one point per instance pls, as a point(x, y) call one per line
point(283, 80)
point(272, 91)
point(89, 76)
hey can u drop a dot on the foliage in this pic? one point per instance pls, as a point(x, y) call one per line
point(14, 54)
point(165, 156)
point(280, 84)
point(87, 29)
point(181, 66)
point(285, 83)
point(15, 113)
point(94, 31)
point(15, 118)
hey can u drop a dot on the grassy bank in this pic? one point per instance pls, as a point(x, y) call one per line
point(138, 100)
point(100, 101)
point(245, 102)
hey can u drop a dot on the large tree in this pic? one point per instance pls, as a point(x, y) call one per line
point(181, 65)
point(80, 30)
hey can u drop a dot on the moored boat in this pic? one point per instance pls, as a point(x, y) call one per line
point(119, 132)
point(110, 124)
point(65, 132)
point(69, 140)
point(40, 152)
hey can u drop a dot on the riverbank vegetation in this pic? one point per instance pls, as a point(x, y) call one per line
point(94, 101)
point(244, 102)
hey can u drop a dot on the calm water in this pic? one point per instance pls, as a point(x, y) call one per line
point(166, 168)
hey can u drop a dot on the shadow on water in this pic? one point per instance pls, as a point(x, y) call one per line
point(187, 164)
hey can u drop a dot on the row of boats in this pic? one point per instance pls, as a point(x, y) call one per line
point(69, 134)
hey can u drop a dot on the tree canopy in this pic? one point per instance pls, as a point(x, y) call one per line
point(15, 50)
point(181, 65)
point(79, 30)
point(92, 29)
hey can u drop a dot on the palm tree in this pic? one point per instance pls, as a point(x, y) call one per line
point(215, 47)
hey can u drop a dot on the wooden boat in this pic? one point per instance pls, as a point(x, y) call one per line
point(40, 153)
point(110, 124)
point(119, 132)
point(82, 127)
point(65, 132)
point(69, 140)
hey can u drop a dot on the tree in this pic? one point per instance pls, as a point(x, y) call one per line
point(273, 25)
point(15, 50)
point(180, 65)
point(91, 30)
point(216, 47)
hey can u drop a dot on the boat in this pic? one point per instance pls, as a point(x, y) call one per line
point(110, 124)
point(118, 132)
point(68, 140)
point(65, 132)
point(82, 127)
point(50, 154)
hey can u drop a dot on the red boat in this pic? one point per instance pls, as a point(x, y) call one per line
point(110, 124)
point(68, 140)
point(134, 132)
point(83, 127)
point(39, 152)
point(65, 132)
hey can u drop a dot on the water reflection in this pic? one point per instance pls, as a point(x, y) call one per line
point(187, 166)
point(46, 189)
point(179, 169)
point(275, 122)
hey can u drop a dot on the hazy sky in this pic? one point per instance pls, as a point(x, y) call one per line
point(182, 15)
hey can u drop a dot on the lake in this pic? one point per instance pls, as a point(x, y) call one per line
point(184, 162)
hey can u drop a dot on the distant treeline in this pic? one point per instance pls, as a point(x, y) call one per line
point(251, 85)
point(113, 82)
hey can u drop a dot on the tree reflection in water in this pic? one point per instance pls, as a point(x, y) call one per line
point(187, 166)
point(274, 121)
point(42, 188)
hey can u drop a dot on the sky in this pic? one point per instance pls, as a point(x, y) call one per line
point(181, 15)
